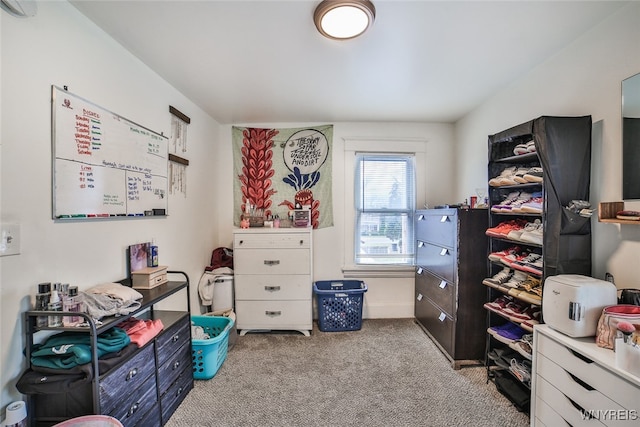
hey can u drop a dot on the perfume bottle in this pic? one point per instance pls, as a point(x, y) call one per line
point(55, 304)
point(71, 303)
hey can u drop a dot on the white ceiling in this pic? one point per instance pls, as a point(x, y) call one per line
point(264, 62)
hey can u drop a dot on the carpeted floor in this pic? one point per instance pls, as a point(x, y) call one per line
point(387, 374)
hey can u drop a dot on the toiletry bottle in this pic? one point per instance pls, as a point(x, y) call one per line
point(55, 305)
point(71, 303)
point(42, 303)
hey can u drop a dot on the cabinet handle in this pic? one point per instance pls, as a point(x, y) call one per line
point(176, 365)
point(272, 288)
point(419, 297)
point(443, 284)
point(301, 242)
point(442, 317)
point(271, 262)
point(132, 373)
point(420, 217)
point(241, 242)
point(444, 218)
point(273, 313)
point(420, 243)
point(420, 270)
point(179, 391)
point(132, 410)
point(444, 252)
point(175, 338)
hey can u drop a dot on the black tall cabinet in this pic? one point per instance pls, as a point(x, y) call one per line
point(563, 152)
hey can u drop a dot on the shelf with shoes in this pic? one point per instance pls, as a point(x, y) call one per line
point(531, 236)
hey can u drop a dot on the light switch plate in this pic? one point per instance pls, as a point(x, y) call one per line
point(9, 239)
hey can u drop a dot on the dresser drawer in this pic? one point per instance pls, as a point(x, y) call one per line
point(546, 416)
point(557, 401)
point(272, 261)
point(274, 314)
point(176, 393)
point(617, 389)
point(439, 260)
point(169, 371)
point(438, 290)
point(116, 386)
point(440, 325)
point(172, 339)
point(437, 226)
point(572, 387)
point(271, 240)
point(135, 404)
point(273, 287)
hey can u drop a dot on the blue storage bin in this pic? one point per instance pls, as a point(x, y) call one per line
point(339, 304)
point(209, 354)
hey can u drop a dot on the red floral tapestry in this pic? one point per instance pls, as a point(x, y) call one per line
point(278, 170)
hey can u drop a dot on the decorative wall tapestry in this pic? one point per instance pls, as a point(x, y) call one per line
point(275, 169)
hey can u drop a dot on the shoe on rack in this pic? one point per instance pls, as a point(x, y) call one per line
point(510, 260)
point(503, 229)
point(534, 174)
point(521, 370)
point(532, 263)
point(519, 175)
point(518, 311)
point(516, 234)
point(514, 206)
point(524, 346)
point(524, 148)
point(532, 233)
point(505, 178)
point(507, 333)
point(510, 198)
point(497, 256)
point(516, 281)
point(498, 279)
point(535, 205)
point(499, 303)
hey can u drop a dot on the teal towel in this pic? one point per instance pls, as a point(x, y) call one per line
point(69, 349)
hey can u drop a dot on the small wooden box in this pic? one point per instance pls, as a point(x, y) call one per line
point(150, 277)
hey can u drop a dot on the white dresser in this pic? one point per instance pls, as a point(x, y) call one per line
point(273, 279)
point(576, 383)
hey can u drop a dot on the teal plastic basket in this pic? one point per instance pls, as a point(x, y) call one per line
point(208, 355)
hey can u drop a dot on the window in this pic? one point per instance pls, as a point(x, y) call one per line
point(385, 197)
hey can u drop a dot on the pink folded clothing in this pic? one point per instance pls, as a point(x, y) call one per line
point(141, 331)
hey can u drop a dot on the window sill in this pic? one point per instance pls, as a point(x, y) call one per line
point(405, 271)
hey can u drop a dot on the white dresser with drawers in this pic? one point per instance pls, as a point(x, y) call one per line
point(576, 383)
point(273, 279)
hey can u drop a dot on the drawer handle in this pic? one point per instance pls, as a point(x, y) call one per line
point(444, 218)
point(419, 297)
point(420, 244)
point(419, 270)
point(302, 242)
point(587, 414)
point(132, 373)
point(271, 262)
point(176, 365)
point(179, 391)
point(580, 382)
point(175, 338)
point(442, 317)
point(444, 252)
point(443, 284)
point(132, 410)
point(241, 242)
point(272, 288)
point(273, 313)
point(420, 217)
point(580, 356)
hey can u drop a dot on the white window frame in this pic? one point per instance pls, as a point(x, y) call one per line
point(353, 145)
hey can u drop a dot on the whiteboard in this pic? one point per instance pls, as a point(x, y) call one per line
point(103, 164)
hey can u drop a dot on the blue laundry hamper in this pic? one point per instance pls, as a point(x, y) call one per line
point(339, 304)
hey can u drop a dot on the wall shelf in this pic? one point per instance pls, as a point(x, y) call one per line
point(607, 213)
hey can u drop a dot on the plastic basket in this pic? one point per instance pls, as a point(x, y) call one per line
point(339, 304)
point(208, 355)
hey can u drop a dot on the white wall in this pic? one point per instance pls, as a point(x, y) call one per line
point(386, 297)
point(60, 47)
point(583, 79)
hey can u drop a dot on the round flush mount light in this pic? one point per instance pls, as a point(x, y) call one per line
point(341, 20)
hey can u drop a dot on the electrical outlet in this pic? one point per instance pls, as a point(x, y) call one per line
point(9, 239)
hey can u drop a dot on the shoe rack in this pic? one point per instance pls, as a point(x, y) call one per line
point(560, 147)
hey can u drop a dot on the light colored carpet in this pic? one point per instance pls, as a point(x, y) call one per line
point(387, 374)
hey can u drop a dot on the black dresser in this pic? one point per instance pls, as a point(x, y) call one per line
point(450, 266)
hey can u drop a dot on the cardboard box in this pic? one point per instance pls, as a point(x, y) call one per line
point(150, 277)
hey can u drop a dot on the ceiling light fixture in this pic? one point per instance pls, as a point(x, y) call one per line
point(341, 20)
